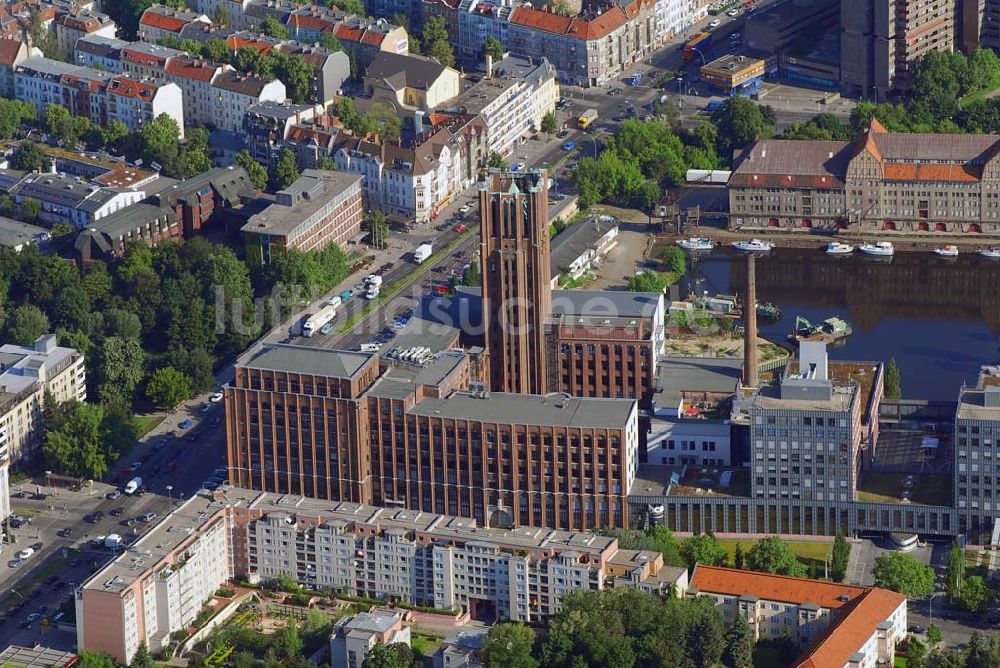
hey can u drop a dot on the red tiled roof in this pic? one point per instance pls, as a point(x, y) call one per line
point(344, 32)
point(236, 42)
point(772, 587)
point(372, 37)
point(314, 23)
point(855, 626)
point(126, 87)
point(594, 28)
point(142, 58)
point(200, 70)
point(8, 51)
point(154, 19)
point(920, 172)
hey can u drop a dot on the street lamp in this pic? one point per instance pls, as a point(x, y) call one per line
point(170, 498)
point(930, 605)
point(593, 139)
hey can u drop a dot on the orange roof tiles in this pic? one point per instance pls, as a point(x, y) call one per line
point(126, 87)
point(853, 629)
point(237, 42)
point(162, 22)
point(8, 51)
point(772, 587)
point(143, 58)
point(200, 70)
point(923, 172)
point(594, 28)
point(314, 23)
point(372, 37)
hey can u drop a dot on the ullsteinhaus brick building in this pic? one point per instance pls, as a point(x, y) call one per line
point(881, 181)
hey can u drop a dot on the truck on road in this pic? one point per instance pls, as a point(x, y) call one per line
point(586, 118)
point(133, 485)
point(316, 321)
point(422, 252)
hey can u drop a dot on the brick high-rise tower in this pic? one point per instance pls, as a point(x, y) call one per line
point(517, 297)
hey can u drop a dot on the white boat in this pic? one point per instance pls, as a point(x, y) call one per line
point(695, 243)
point(947, 251)
point(837, 248)
point(993, 252)
point(881, 248)
point(753, 245)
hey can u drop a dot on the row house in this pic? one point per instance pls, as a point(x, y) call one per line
point(99, 52)
point(413, 184)
point(194, 76)
point(266, 127)
point(160, 21)
point(100, 96)
point(479, 20)
point(234, 93)
point(71, 27)
point(12, 53)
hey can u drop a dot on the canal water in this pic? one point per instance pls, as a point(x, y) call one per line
point(939, 318)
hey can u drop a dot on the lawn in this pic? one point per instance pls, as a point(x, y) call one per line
point(146, 423)
point(979, 94)
point(424, 644)
point(806, 551)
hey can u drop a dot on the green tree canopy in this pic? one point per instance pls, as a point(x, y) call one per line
point(738, 652)
point(549, 123)
point(168, 387)
point(702, 549)
point(436, 42)
point(28, 157)
point(904, 574)
point(493, 48)
point(893, 381)
point(25, 324)
point(509, 645)
point(256, 171)
point(773, 555)
point(840, 557)
point(286, 170)
point(739, 122)
point(271, 27)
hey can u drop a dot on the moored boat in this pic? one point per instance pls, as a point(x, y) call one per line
point(753, 245)
point(880, 248)
point(993, 252)
point(837, 248)
point(695, 243)
point(947, 251)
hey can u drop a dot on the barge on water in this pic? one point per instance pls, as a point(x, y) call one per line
point(832, 329)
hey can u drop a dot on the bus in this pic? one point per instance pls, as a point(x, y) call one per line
point(699, 42)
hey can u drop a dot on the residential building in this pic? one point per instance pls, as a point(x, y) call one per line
point(364, 38)
point(312, 141)
point(882, 41)
point(17, 235)
point(129, 602)
point(234, 93)
point(386, 416)
point(266, 128)
point(463, 647)
point(411, 183)
point(332, 69)
point(477, 22)
point(72, 26)
point(98, 95)
point(604, 343)
point(407, 82)
point(26, 374)
point(12, 53)
point(427, 559)
point(977, 435)
point(579, 249)
point(833, 624)
point(354, 636)
point(99, 52)
point(140, 59)
point(160, 21)
point(320, 208)
point(881, 181)
point(195, 76)
point(205, 199)
point(107, 238)
point(513, 209)
point(512, 99)
point(72, 200)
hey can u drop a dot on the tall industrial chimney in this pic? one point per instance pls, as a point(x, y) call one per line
point(751, 360)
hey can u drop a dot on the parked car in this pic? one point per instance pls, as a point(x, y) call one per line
point(94, 517)
point(461, 227)
point(326, 329)
point(117, 512)
point(216, 397)
point(186, 424)
point(135, 466)
point(63, 533)
point(715, 23)
point(147, 517)
point(113, 494)
point(206, 407)
point(616, 91)
point(569, 146)
point(465, 209)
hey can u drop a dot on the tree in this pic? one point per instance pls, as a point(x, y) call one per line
point(495, 160)
point(739, 122)
point(256, 171)
point(113, 134)
point(296, 74)
point(916, 652)
point(549, 123)
point(89, 659)
point(648, 281)
point(330, 43)
point(30, 209)
point(28, 157)
point(159, 141)
point(286, 170)
point(934, 635)
point(893, 381)
point(841, 556)
point(121, 369)
point(78, 448)
point(773, 555)
point(975, 595)
point(271, 27)
point(42, 38)
point(955, 571)
point(167, 387)
point(436, 42)
point(388, 656)
point(220, 16)
point(142, 658)
point(739, 559)
point(350, 6)
point(493, 48)
point(673, 260)
point(25, 324)
point(702, 549)
point(287, 641)
point(739, 645)
point(508, 645)
point(904, 574)
point(377, 228)
point(472, 276)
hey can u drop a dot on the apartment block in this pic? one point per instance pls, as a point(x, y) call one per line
point(881, 181)
point(158, 585)
point(512, 99)
point(882, 41)
point(321, 208)
point(195, 76)
point(354, 636)
point(98, 95)
point(160, 21)
point(72, 26)
point(26, 374)
point(833, 624)
point(977, 437)
point(411, 182)
point(234, 93)
point(266, 128)
point(12, 53)
point(99, 52)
